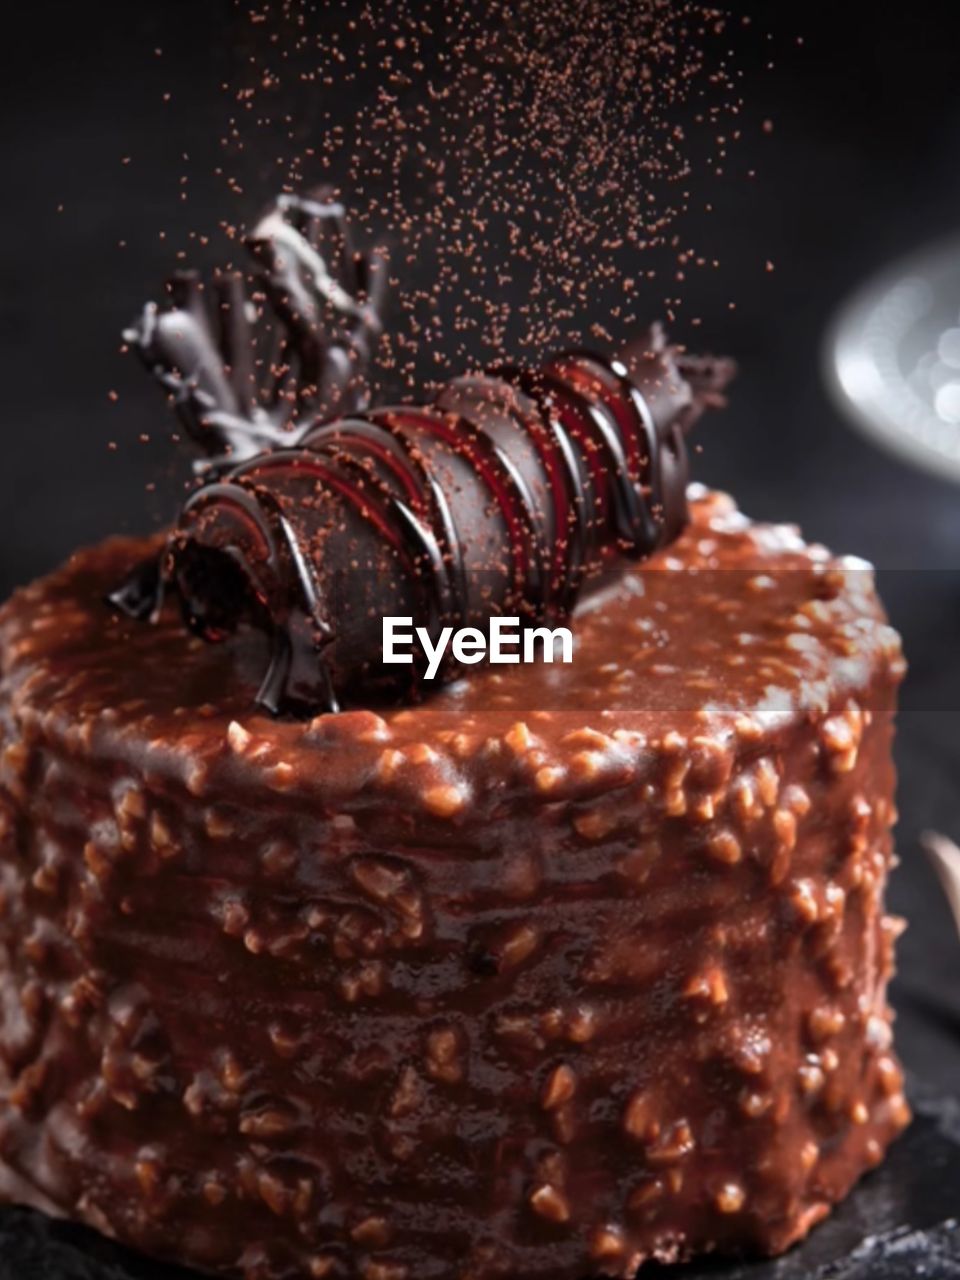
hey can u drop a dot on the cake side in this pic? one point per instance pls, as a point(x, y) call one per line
point(564, 969)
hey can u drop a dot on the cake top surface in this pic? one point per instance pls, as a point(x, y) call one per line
point(717, 643)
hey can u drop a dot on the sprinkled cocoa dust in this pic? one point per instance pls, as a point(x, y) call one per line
point(530, 163)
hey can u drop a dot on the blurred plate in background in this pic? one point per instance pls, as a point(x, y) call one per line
point(893, 358)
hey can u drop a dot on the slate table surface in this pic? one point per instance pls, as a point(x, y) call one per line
point(857, 166)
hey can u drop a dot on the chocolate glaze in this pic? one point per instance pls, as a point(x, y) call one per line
point(565, 968)
point(504, 496)
point(247, 368)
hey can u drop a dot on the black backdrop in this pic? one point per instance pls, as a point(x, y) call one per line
point(863, 163)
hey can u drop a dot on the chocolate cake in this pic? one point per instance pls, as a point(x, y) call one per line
point(530, 971)
point(563, 968)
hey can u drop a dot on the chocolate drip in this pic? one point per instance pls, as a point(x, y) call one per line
point(507, 495)
point(253, 369)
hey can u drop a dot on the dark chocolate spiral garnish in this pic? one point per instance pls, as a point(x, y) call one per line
point(249, 366)
point(504, 496)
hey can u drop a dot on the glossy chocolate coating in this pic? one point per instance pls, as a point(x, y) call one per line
point(506, 495)
point(565, 968)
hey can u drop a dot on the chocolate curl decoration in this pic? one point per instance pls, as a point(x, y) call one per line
point(506, 495)
point(245, 366)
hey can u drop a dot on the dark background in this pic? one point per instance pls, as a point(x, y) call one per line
point(863, 164)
